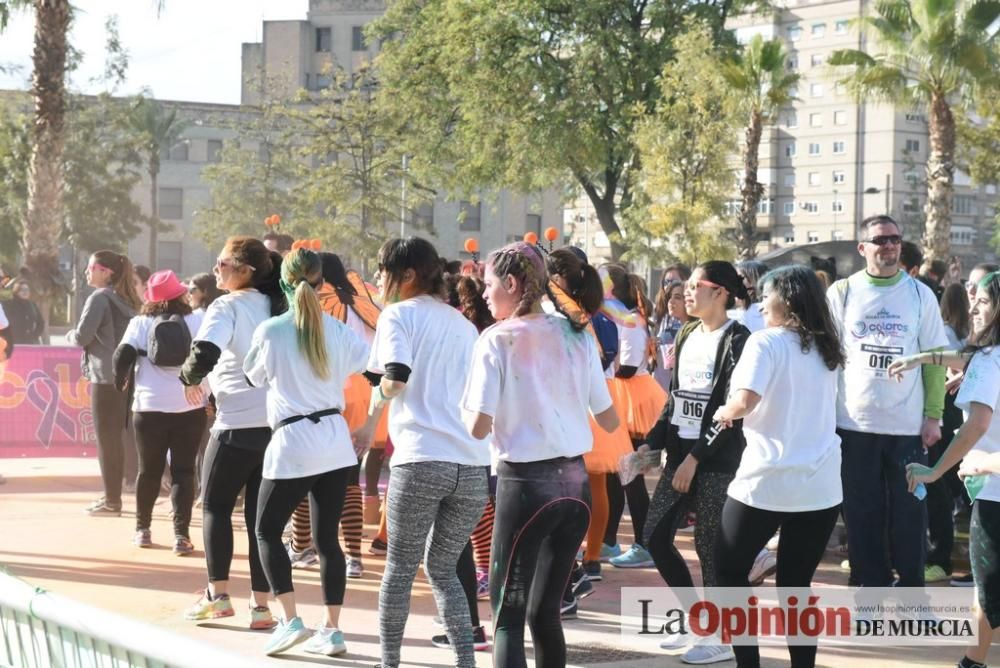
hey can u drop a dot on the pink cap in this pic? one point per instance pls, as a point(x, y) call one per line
point(164, 286)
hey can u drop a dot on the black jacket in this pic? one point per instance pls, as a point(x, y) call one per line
point(723, 455)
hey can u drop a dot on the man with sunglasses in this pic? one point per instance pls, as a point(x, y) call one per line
point(884, 313)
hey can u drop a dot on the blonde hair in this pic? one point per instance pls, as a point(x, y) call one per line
point(298, 267)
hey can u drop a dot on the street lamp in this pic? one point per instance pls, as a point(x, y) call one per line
point(887, 190)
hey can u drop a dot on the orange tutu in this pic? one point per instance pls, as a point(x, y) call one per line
point(357, 396)
point(641, 400)
point(608, 449)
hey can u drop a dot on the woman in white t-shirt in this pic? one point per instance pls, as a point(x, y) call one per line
point(747, 311)
point(304, 359)
point(164, 421)
point(789, 476)
point(977, 446)
point(535, 379)
point(418, 364)
point(235, 456)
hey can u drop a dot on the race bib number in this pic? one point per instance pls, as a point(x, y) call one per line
point(875, 360)
point(689, 408)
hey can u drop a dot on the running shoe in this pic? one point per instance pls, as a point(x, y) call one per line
point(962, 581)
point(306, 559)
point(96, 504)
point(355, 569)
point(609, 552)
point(105, 509)
point(326, 641)
point(593, 570)
point(210, 608)
point(378, 547)
point(582, 587)
point(143, 538)
point(763, 567)
point(773, 543)
point(286, 636)
point(183, 546)
point(261, 618)
point(482, 585)
point(479, 642)
point(687, 524)
point(934, 573)
point(636, 557)
point(701, 655)
point(676, 641)
point(568, 608)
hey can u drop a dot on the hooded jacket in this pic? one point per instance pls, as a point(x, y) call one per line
point(102, 325)
point(26, 323)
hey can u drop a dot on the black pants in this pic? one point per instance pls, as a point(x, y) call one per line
point(109, 409)
point(157, 434)
point(638, 507)
point(466, 569)
point(941, 493)
point(745, 531)
point(229, 469)
point(278, 500)
point(542, 515)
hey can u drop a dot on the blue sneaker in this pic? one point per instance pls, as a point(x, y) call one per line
point(286, 635)
point(326, 641)
point(609, 552)
point(636, 557)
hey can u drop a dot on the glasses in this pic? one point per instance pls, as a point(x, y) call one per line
point(885, 239)
point(222, 264)
point(693, 285)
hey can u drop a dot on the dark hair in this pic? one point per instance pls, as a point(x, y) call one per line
point(752, 271)
point(396, 256)
point(680, 268)
point(122, 275)
point(285, 242)
point(584, 282)
point(660, 306)
point(208, 286)
point(524, 262)
point(266, 266)
point(143, 272)
point(176, 306)
point(335, 275)
point(955, 309)
point(451, 267)
point(990, 336)
point(910, 255)
point(800, 291)
point(987, 267)
point(469, 290)
point(724, 275)
point(880, 219)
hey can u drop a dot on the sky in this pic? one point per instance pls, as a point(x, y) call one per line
point(190, 52)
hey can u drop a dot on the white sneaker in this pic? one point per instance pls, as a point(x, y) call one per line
point(773, 543)
point(764, 565)
point(676, 641)
point(326, 641)
point(355, 569)
point(700, 655)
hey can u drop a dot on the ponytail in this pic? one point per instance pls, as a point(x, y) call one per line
point(299, 268)
point(122, 276)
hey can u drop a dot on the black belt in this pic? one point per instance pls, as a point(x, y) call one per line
point(314, 417)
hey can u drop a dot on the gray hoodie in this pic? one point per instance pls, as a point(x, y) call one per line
point(102, 325)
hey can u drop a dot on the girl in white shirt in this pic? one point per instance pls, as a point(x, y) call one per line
point(535, 378)
point(789, 476)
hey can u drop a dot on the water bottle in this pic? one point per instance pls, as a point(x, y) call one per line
point(920, 491)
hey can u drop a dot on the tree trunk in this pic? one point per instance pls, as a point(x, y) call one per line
point(43, 222)
point(154, 219)
point(604, 207)
point(750, 190)
point(940, 181)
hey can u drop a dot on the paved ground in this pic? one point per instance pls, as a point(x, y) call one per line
point(46, 539)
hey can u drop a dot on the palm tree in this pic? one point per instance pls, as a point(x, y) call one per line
point(759, 77)
point(161, 130)
point(931, 55)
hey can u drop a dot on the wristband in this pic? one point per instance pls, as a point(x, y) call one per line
point(381, 395)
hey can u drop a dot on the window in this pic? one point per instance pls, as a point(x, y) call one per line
point(840, 27)
point(794, 33)
point(991, 189)
point(171, 203)
point(791, 120)
point(811, 207)
point(816, 90)
point(177, 152)
point(911, 177)
point(533, 223)
point(324, 40)
point(789, 208)
point(214, 150)
point(789, 237)
point(793, 92)
point(169, 255)
point(470, 216)
point(816, 60)
point(837, 206)
point(423, 217)
point(839, 147)
point(814, 149)
point(818, 29)
point(915, 118)
point(840, 118)
point(963, 235)
point(815, 120)
point(814, 179)
point(812, 237)
point(358, 38)
point(837, 235)
point(912, 146)
point(790, 150)
point(790, 180)
point(764, 207)
point(839, 177)
point(911, 205)
point(792, 63)
point(323, 81)
point(964, 205)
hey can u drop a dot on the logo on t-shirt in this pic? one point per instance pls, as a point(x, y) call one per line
point(884, 324)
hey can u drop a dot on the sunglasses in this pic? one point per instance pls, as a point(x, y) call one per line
point(222, 264)
point(693, 285)
point(885, 239)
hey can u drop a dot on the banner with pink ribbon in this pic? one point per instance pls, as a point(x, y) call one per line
point(45, 405)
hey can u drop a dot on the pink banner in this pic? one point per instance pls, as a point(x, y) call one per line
point(45, 405)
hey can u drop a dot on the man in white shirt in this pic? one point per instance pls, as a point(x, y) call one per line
point(883, 314)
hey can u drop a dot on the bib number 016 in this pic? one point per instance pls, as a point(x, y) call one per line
point(693, 408)
point(879, 361)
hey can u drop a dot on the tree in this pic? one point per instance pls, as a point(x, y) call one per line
point(527, 94)
point(759, 77)
point(933, 55)
point(979, 153)
point(685, 145)
point(160, 129)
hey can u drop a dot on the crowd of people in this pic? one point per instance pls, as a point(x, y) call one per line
point(783, 399)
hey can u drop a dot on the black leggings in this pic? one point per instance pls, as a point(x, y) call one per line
point(466, 569)
point(156, 434)
point(109, 409)
point(638, 506)
point(278, 499)
point(745, 531)
point(228, 470)
point(542, 514)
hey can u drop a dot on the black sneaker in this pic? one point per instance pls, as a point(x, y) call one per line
point(581, 587)
point(479, 642)
point(593, 570)
point(962, 580)
point(568, 608)
point(378, 547)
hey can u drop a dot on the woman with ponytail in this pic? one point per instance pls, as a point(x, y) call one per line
point(106, 315)
point(234, 458)
point(304, 359)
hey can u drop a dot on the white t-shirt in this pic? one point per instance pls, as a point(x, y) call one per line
point(157, 388)
point(276, 363)
point(229, 324)
point(751, 318)
point(695, 379)
point(954, 343)
point(4, 323)
point(537, 378)
point(792, 458)
point(981, 385)
point(632, 343)
point(425, 420)
point(882, 323)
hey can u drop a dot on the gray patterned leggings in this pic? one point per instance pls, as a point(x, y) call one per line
point(432, 509)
